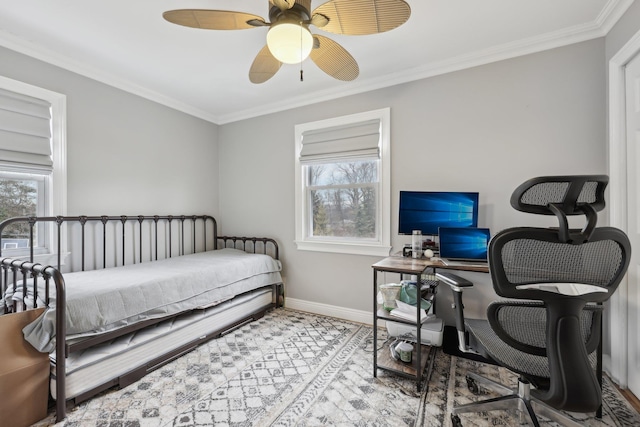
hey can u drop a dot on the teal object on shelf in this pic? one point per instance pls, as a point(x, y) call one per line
point(409, 295)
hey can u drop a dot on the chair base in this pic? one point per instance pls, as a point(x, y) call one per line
point(520, 399)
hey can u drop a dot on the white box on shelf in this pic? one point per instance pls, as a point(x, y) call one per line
point(431, 332)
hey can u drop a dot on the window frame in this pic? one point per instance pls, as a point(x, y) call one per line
point(379, 246)
point(56, 197)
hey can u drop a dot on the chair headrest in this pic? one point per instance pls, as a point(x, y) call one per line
point(562, 196)
point(569, 194)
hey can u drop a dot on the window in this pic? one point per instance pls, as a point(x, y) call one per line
point(342, 184)
point(23, 194)
point(32, 164)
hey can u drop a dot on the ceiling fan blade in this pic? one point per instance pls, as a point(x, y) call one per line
point(212, 19)
point(283, 4)
point(360, 17)
point(264, 66)
point(333, 59)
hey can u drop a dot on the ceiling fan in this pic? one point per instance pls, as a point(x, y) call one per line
point(289, 40)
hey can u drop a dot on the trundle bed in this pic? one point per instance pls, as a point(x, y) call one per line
point(164, 285)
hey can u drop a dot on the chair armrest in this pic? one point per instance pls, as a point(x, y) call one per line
point(457, 284)
point(453, 280)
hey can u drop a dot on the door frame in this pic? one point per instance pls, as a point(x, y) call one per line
point(618, 328)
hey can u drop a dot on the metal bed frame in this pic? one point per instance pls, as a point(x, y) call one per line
point(14, 270)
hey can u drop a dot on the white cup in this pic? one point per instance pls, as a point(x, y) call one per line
point(404, 349)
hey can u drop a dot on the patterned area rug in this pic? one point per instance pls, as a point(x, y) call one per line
point(292, 368)
point(447, 387)
point(288, 368)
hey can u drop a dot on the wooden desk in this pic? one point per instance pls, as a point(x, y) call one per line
point(405, 265)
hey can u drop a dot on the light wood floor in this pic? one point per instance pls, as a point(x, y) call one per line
point(631, 398)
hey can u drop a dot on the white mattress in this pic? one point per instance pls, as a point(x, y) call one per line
point(97, 365)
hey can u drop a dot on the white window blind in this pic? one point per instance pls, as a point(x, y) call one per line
point(25, 132)
point(339, 143)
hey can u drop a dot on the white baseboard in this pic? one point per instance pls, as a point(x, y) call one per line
point(360, 316)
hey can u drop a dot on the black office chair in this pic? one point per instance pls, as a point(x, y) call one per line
point(563, 275)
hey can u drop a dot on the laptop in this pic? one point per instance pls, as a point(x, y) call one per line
point(463, 245)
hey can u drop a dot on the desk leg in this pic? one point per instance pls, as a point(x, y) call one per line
point(375, 323)
point(418, 335)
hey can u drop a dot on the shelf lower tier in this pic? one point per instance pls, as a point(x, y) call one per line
point(408, 370)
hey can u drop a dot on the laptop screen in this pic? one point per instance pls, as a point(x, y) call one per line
point(464, 244)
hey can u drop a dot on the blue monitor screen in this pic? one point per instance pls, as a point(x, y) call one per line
point(467, 243)
point(427, 211)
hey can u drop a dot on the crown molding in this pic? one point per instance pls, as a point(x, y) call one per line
point(24, 47)
point(611, 13)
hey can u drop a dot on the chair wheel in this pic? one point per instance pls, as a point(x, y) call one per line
point(472, 385)
point(455, 421)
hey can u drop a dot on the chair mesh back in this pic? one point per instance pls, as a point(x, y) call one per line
point(526, 255)
point(532, 261)
point(527, 324)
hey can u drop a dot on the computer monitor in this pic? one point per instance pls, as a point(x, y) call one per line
point(427, 211)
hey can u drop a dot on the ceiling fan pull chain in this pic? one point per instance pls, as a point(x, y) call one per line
point(301, 55)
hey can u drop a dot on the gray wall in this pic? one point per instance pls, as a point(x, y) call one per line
point(125, 154)
point(484, 129)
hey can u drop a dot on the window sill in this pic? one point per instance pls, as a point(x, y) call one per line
point(344, 248)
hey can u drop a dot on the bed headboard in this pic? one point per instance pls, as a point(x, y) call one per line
point(120, 239)
point(97, 242)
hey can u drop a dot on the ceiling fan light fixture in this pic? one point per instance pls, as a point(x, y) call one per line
point(289, 43)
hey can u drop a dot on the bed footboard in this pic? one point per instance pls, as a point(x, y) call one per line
point(263, 245)
point(17, 274)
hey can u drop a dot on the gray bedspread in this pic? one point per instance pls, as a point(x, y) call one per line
point(104, 300)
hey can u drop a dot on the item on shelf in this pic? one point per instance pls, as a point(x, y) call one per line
point(431, 332)
point(405, 349)
point(408, 312)
point(429, 244)
point(394, 352)
point(390, 293)
point(406, 251)
point(409, 294)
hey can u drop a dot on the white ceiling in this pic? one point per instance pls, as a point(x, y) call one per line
point(129, 45)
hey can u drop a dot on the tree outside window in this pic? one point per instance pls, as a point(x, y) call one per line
point(18, 197)
point(343, 197)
